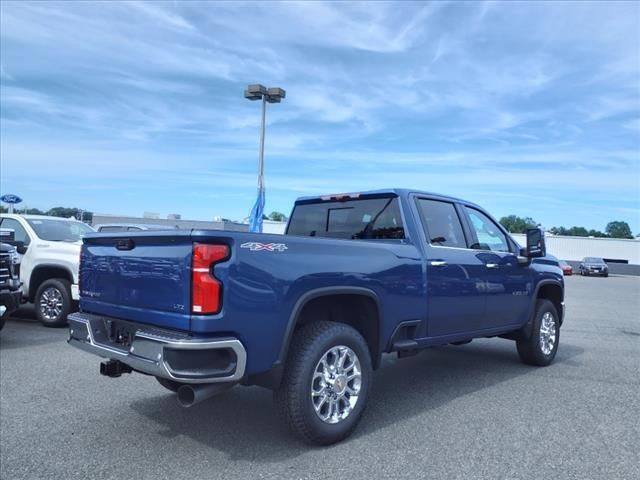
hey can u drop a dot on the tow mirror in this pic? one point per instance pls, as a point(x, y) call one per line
point(21, 248)
point(535, 243)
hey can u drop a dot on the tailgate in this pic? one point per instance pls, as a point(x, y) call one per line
point(144, 277)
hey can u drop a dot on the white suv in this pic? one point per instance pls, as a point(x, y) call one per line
point(49, 248)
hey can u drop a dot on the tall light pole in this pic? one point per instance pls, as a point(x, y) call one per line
point(267, 95)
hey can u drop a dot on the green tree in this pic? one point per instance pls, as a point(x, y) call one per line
point(277, 217)
point(577, 232)
point(515, 224)
point(67, 212)
point(28, 211)
point(34, 211)
point(618, 229)
point(64, 212)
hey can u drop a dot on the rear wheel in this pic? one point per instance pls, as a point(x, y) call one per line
point(53, 302)
point(169, 384)
point(541, 348)
point(326, 382)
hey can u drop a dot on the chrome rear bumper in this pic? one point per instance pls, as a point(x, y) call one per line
point(159, 352)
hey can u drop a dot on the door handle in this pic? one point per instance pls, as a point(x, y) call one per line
point(492, 265)
point(438, 263)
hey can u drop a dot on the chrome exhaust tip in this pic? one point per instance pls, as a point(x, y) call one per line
point(189, 395)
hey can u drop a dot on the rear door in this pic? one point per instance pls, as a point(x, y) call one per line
point(138, 276)
point(455, 274)
point(508, 284)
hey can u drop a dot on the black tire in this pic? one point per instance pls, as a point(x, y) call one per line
point(606, 275)
point(530, 350)
point(2, 320)
point(309, 345)
point(169, 384)
point(48, 287)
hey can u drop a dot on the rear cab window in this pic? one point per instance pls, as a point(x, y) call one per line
point(366, 218)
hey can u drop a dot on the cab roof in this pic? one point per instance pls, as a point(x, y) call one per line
point(38, 217)
point(400, 192)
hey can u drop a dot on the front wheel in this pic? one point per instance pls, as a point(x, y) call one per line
point(326, 382)
point(541, 348)
point(53, 302)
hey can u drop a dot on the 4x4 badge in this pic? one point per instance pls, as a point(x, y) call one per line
point(267, 247)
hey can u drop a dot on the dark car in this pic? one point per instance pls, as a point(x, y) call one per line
point(9, 281)
point(594, 266)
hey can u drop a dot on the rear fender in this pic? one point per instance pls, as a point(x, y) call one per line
point(273, 377)
point(316, 293)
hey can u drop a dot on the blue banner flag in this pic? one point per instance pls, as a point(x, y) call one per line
point(255, 220)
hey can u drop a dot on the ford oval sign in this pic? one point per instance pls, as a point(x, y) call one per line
point(10, 198)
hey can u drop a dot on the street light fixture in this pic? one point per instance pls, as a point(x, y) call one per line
point(267, 95)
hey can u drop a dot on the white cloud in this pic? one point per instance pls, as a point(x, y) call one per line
point(471, 97)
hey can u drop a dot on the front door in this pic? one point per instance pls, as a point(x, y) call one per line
point(509, 284)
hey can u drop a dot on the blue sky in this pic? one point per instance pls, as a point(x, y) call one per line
point(525, 108)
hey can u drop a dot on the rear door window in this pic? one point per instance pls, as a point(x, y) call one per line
point(369, 218)
point(442, 223)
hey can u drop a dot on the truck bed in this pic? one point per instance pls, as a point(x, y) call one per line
point(146, 277)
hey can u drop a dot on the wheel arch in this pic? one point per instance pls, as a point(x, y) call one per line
point(338, 302)
point(44, 272)
point(554, 292)
point(548, 289)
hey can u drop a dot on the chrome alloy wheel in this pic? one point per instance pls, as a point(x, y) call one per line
point(547, 333)
point(336, 384)
point(51, 303)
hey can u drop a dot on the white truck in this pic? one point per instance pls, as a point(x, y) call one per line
point(49, 250)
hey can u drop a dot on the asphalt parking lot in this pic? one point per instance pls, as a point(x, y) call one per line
point(470, 411)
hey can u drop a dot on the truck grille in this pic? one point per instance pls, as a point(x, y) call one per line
point(5, 266)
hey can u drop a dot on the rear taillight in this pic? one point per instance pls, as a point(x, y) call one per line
point(206, 290)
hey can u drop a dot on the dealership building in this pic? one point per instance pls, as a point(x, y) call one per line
point(622, 255)
point(613, 250)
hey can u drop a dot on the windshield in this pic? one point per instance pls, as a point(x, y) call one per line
point(593, 260)
point(59, 230)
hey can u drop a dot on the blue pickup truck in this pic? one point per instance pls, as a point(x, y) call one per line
point(309, 314)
